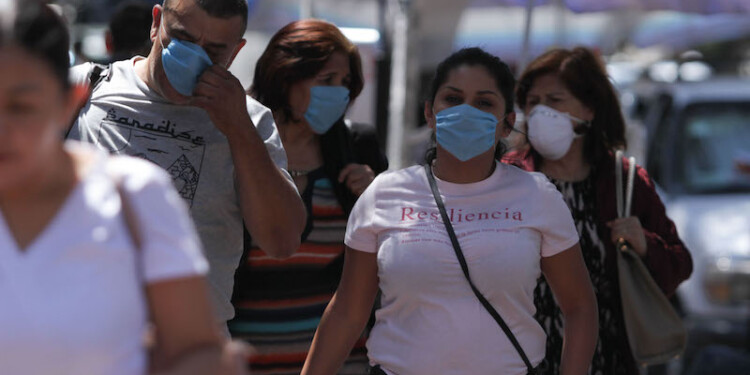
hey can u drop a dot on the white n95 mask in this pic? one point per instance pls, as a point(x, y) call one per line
point(551, 131)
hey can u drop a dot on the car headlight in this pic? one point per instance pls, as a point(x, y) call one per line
point(727, 280)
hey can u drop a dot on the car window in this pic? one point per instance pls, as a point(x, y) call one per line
point(715, 148)
point(658, 129)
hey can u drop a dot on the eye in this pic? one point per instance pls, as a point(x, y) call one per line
point(453, 99)
point(483, 103)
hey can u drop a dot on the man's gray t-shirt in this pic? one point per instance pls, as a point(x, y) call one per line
point(124, 116)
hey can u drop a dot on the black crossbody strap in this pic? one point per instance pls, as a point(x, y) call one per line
point(465, 268)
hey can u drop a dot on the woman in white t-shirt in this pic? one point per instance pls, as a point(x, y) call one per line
point(511, 225)
point(76, 291)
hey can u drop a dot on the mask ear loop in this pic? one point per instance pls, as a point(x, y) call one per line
point(581, 127)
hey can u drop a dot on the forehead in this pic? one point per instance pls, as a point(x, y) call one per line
point(547, 83)
point(20, 70)
point(338, 60)
point(188, 15)
point(471, 78)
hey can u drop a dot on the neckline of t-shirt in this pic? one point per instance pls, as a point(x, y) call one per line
point(142, 86)
point(488, 183)
point(60, 216)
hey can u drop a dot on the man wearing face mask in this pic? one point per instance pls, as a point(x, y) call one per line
point(181, 108)
point(574, 128)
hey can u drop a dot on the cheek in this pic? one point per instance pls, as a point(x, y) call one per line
point(25, 150)
point(299, 100)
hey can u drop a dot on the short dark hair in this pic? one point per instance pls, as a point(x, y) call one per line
point(475, 56)
point(222, 8)
point(296, 52)
point(36, 28)
point(130, 28)
point(584, 75)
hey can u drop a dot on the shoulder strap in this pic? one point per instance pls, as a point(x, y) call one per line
point(624, 203)
point(97, 74)
point(465, 269)
point(131, 224)
point(129, 217)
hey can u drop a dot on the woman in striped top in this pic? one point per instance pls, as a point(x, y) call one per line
point(308, 75)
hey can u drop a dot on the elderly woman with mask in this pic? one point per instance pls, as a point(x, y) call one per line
point(574, 127)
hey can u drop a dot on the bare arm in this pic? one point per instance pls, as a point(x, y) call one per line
point(187, 339)
point(568, 277)
point(273, 211)
point(346, 314)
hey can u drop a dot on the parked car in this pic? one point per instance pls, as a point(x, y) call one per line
point(699, 156)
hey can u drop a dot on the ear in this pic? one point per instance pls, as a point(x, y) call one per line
point(236, 51)
point(588, 114)
point(508, 124)
point(156, 13)
point(429, 115)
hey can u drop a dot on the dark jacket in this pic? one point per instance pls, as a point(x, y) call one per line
point(344, 144)
point(667, 259)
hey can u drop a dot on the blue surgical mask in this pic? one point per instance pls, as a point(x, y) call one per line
point(465, 131)
point(183, 63)
point(327, 104)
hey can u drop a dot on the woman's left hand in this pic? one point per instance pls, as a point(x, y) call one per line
point(357, 177)
point(630, 230)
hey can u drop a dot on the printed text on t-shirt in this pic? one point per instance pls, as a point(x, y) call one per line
point(458, 216)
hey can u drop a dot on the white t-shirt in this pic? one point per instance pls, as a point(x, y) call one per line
point(72, 301)
point(430, 322)
point(124, 116)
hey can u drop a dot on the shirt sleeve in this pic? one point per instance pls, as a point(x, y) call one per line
point(557, 227)
point(262, 117)
point(361, 233)
point(170, 247)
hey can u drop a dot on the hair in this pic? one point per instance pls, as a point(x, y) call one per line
point(222, 8)
point(584, 75)
point(37, 29)
point(297, 52)
point(129, 27)
point(475, 56)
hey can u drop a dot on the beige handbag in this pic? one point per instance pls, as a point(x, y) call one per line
point(655, 331)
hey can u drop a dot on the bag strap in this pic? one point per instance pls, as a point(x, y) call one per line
point(465, 269)
point(97, 74)
point(131, 224)
point(624, 204)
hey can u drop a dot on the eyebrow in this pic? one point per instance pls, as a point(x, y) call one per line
point(481, 92)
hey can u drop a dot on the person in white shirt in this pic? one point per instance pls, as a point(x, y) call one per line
point(79, 283)
point(511, 225)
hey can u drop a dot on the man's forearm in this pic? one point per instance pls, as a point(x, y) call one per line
point(273, 211)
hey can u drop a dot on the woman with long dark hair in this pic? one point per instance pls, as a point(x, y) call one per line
point(95, 251)
point(510, 225)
